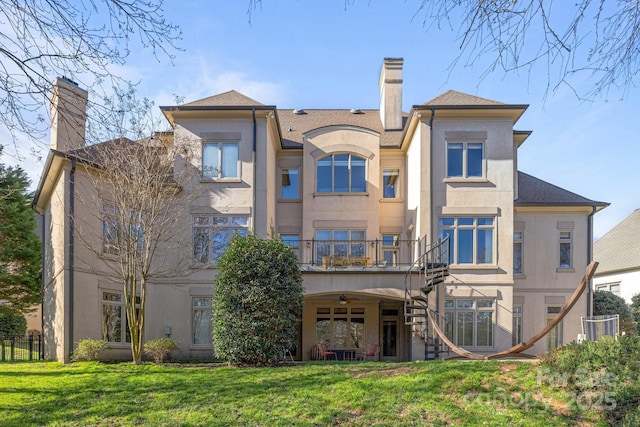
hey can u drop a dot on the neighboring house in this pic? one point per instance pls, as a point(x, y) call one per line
point(618, 253)
point(356, 193)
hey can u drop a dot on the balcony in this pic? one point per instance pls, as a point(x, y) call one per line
point(353, 255)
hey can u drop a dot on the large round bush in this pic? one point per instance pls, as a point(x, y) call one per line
point(257, 303)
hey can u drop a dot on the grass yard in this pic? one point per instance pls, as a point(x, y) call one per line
point(310, 394)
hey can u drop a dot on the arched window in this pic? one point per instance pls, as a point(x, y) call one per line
point(341, 173)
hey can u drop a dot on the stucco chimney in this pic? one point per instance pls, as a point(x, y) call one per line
point(68, 115)
point(391, 93)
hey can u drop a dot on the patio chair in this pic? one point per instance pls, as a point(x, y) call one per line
point(594, 327)
point(324, 353)
point(371, 351)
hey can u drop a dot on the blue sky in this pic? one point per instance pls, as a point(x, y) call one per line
point(323, 54)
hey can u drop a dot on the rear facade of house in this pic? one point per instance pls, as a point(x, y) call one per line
point(361, 196)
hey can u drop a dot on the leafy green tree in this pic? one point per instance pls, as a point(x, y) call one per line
point(258, 298)
point(605, 302)
point(12, 323)
point(20, 250)
point(635, 310)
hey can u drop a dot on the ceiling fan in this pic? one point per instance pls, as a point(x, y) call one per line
point(344, 299)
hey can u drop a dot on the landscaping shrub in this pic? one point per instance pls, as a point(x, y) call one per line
point(12, 323)
point(257, 304)
point(88, 349)
point(603, 375)
point(159, 348)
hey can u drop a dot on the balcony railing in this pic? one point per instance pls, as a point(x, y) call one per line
point(341, 254)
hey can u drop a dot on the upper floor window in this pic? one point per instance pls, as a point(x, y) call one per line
point(212, 234)
point(465, 159)
point(290, 184)
point(220, 160)
point(470, 239)
point(341, 173)
point(517, 252)
point(609, 287)
point(121, 231)
point(342, 243)
point(390, 183)
point(566, 243)
point(390, 247)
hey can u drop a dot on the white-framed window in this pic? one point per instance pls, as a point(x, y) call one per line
point(290, 184)
point(390, 247)
point(469, 321)
point(201, 321)
point(220, 160)
point(518, 252)
point(465, 159)
point(340, 327)
point(614, 288)
point(115, 237)
point(339, 243)
point(554, 337)
point(566, 249)
point(471, 239)
point(517, 324)
point(341, 173)
point(212, 234)
point(115, 327)
point(390, 177)
point(293, 241)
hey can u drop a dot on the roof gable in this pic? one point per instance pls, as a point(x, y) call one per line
point(230, 98)
point(619, 248)
point(452, 97)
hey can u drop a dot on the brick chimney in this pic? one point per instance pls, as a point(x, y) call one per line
point(68, 115)
point(391, 93)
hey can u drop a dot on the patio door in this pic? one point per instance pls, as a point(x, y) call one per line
point(390, 340)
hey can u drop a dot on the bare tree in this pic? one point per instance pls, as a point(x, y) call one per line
point(594, 41)
point(135, 191)
point(79, 39)
point(583, 40)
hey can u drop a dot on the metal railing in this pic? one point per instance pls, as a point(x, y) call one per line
point(15, 349)
point(358, 253)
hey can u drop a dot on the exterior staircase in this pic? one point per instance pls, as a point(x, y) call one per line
point(429, 270)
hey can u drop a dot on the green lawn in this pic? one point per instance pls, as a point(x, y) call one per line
point(329, 393)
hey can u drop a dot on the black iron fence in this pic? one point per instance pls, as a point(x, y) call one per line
point(19, 349)
point(384, 252)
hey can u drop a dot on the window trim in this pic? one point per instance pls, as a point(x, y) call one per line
point(350, 172)
point(564, 240)
point(349, 315)
point(475, 309)
point(195, 309)
point(219, 150)
point(396, 185)
point(281, 197)
point(210, 226)
point(124, 324)
point(465, 161)
point(518, 241)
point(454, 239)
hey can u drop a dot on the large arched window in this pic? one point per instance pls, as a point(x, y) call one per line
point(341, 173)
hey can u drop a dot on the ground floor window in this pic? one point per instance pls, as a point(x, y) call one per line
point(554, 337)
point(201, 320)
point(517, 324)
point(469, 322)
point(340, 327)
point(115, 328)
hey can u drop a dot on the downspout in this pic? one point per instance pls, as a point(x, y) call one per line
point(72, 207)
point(253, 162)
point(431, 202)
point(43, 237)
point(589, 258)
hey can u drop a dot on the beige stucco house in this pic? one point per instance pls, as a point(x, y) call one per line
point(359, 195)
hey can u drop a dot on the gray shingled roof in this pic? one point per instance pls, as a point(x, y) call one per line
point(619, 249)
point(293, 125)
point(534, 191)
point(230, 98)
point(452, 97)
